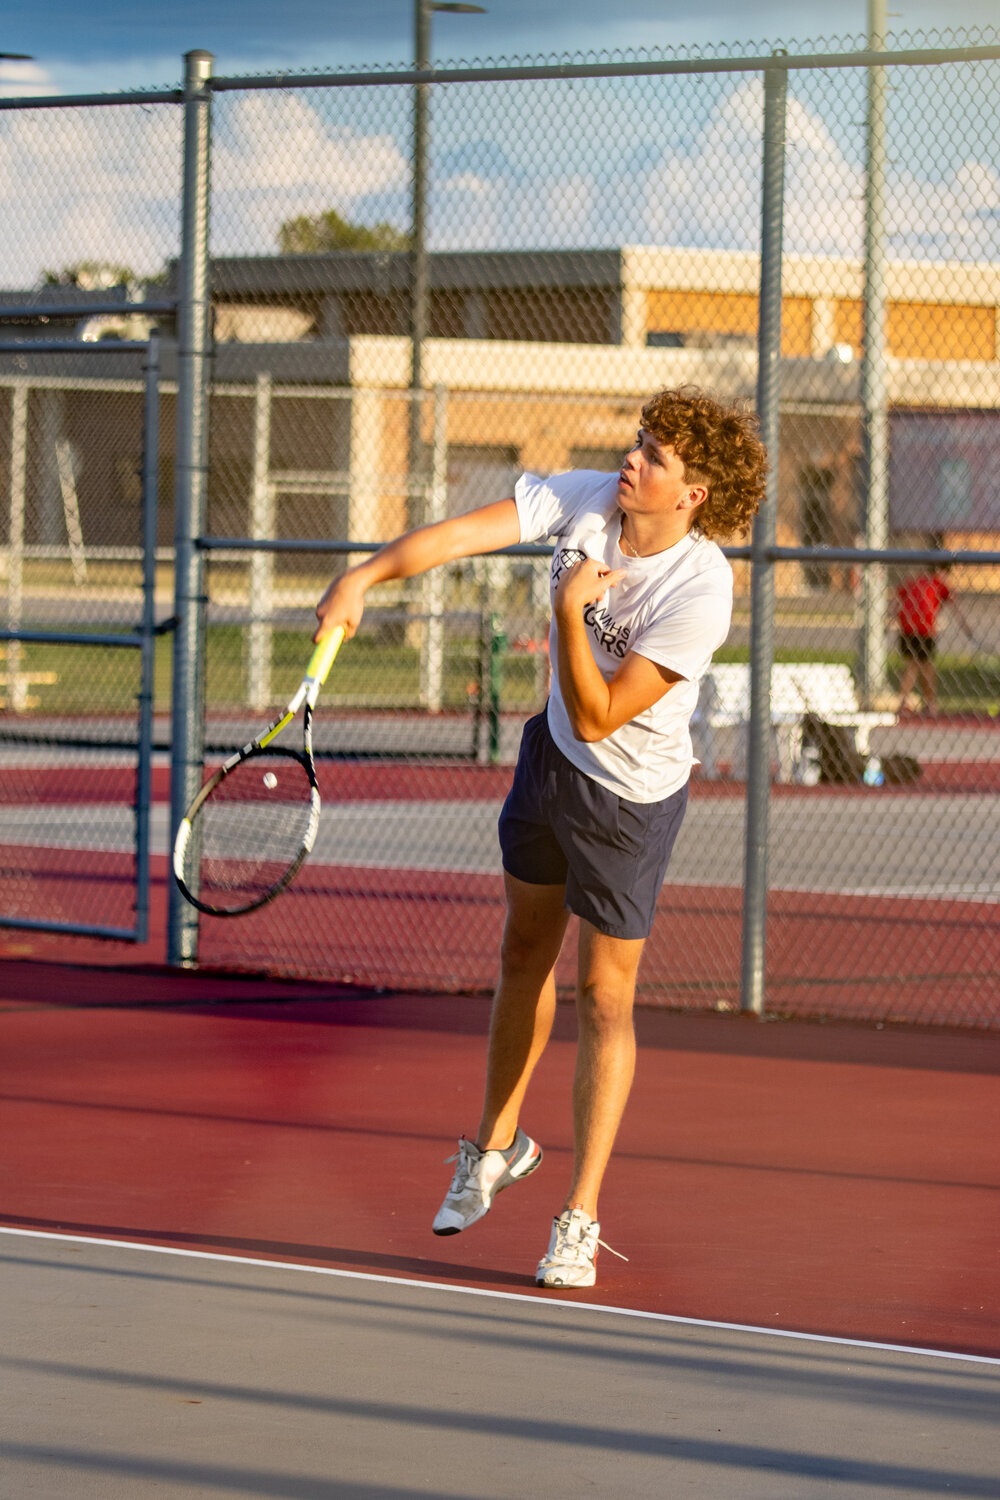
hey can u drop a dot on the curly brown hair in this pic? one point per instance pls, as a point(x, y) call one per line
point(719, 447)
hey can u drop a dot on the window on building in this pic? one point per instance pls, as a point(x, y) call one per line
point(954, 492)
point(816, 528)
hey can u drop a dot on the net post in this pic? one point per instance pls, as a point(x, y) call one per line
point(191, 483)
point(752, 967)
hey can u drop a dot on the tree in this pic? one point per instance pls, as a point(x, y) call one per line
point(315, 234)
point(90, 275)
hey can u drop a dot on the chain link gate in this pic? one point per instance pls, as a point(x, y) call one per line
point(76, 741)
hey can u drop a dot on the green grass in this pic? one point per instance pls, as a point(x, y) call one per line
point(386, 672)
point(101, 680)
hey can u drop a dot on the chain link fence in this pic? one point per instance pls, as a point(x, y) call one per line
point(90, 204)
point(584, 241)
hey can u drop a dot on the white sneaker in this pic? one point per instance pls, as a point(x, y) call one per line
point(571, 1259)
point(479, 1176)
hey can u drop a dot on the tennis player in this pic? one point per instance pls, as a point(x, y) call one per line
point(641, 598)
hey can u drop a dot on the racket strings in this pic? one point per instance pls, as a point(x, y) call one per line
point(252, 831)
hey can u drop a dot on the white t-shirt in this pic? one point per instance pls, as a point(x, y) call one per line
point(674, 608)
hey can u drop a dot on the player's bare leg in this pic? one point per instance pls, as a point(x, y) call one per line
point(524, 1004)
point(523, 1011)
point(907, 682)
point(605, 1061)
point(928, 686)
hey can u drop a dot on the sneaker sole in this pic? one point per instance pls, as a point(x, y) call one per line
point(567, 1286)
point(534, 1162)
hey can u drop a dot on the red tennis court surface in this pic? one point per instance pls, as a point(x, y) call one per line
point(828, 954)
point(830, 1179)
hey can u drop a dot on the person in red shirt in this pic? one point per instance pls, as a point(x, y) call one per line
point(919, 602)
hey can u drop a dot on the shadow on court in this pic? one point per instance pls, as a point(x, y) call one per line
point(829, 1179)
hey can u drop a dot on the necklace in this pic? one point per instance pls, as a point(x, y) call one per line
point(625, 543)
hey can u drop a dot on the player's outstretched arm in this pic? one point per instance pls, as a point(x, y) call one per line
point(484, 530)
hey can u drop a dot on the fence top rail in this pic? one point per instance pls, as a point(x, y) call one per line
point(80, 101)
point(895, 556)
point(73, 346)
point(80, 311)
point(644, 68)
point(908, 57)
point(75, 637)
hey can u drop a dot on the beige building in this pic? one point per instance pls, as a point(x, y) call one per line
point(535, 360)
point(542, 359)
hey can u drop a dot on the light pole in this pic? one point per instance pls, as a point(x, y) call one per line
point(419, 277)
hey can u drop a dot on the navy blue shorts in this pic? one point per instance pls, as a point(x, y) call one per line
point(917, 647)
point(558, 827)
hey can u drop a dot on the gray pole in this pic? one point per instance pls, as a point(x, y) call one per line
point(752, 980)
point(874, 388)
point(147, 683)
point(419, 278)
point(420, 286)
point(193, 341)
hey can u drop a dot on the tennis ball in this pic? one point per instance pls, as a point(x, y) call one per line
point(270, 780)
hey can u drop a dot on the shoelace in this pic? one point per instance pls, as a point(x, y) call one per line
point(465, 1170)
point(575, 1248)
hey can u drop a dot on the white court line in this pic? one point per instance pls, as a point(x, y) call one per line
point(475, 1291)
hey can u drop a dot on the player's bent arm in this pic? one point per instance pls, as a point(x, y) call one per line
point(596, 705)
point(484, 530)
point(961, 617)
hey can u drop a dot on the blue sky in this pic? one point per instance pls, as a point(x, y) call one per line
point(118, 44)
point(591, 164)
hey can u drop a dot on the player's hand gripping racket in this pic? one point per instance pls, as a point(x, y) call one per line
point(247, 832)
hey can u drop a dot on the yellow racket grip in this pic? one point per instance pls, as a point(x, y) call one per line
point(322, 658)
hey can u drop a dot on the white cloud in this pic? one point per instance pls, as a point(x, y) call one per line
point(24, 79)
point(467, 182)
point(279, 141)
point(275, 158)
point(81, 184)
point(956, 218)
point(103, 183)
point(711, 196)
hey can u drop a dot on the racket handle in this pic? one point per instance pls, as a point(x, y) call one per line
point(322, 658)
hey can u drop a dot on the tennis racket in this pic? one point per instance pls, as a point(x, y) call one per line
point(248, 831)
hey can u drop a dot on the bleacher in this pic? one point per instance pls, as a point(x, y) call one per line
point(798, 689)
point(14, 694)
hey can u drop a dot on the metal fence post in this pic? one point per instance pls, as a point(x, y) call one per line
point(193, 339)
point(16, 688)
point(874, 387)
point(147, 685)
point(261, 570)
point(752, 974)
point(419, 264)
point(432, 635)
